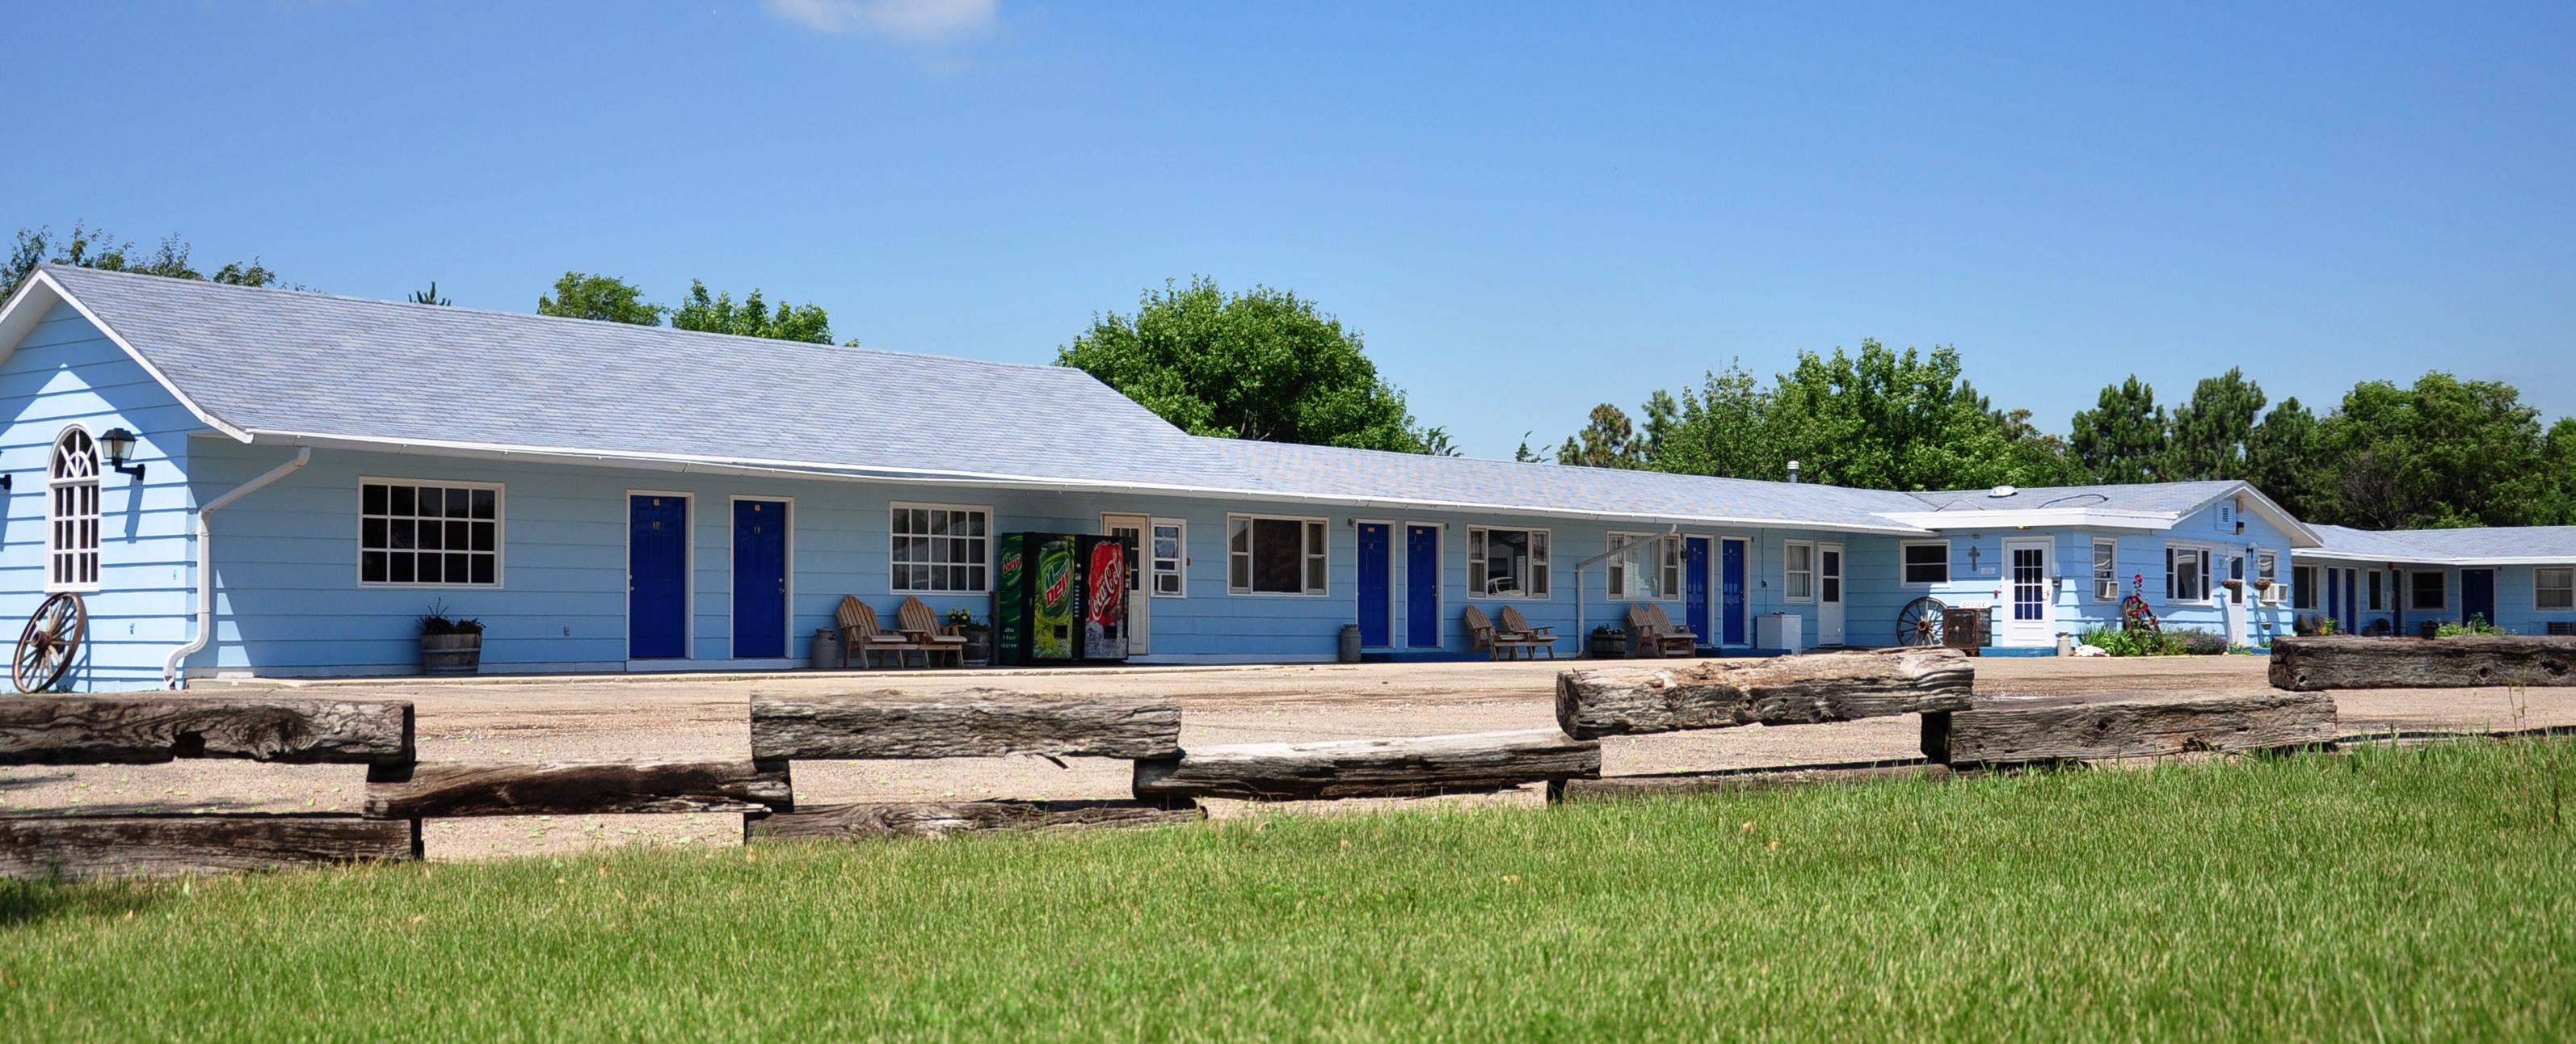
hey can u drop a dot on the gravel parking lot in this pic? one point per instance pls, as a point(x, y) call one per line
point(598, 718)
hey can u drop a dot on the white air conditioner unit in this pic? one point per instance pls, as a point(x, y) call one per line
point(1779, 631)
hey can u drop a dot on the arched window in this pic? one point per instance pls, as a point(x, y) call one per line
point(71, 513)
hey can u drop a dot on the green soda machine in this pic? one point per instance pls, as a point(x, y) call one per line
point(1061, 598)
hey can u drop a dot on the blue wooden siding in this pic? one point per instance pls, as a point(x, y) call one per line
point(66, 372)
point(2517, 611)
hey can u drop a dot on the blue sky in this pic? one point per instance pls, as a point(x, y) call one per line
point(1526, 209)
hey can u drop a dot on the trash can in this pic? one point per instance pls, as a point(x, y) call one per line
point(827, 649)
point(1350, 643)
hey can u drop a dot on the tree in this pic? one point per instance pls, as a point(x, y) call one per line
point(429, 296)
point(1608, 442)
point(580, 295)
point(89, 247)
point(2284, 459)
point(1718, 429)
point(2445, 452)
point(1882, 419)
point(1263, 364)
point(2125, 437)
point(752, 318)
point(2210, 432)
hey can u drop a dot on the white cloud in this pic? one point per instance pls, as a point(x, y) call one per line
point(920, 21)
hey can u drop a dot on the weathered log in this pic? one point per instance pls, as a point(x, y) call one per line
point(2047, 729)
point(570, 789)
point(1405, 767)
point(135, 730)
point(1742, 780)
point(931, 818)
point(981, 723)
point(81, 847)
point(2467, 662)
point(1787, 690)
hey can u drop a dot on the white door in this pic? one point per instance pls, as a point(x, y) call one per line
point(1140, 607)
point(1829, 594)
point(2028, 616)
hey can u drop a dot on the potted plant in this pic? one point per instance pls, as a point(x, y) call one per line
point(979, 638)
point(1609, 643)
point(450, 645)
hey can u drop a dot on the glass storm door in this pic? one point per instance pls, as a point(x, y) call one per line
point(1140, 607)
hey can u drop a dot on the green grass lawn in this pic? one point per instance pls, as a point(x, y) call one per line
point(2413, 894)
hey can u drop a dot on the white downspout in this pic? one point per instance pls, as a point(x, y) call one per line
point(170, 676)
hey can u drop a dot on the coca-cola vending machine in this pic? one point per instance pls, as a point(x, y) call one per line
point(1060, 597)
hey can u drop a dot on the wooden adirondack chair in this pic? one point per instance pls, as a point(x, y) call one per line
point(1480, 633)
point(1655, 631)
point(860, 634)
point(1512, 623)
point(923, 629)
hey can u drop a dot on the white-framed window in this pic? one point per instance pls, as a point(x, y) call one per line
point(1270, 555)
point(2303, 587)
point(2427, 590)
point(429, 533)
point(1507, 563)
point(1648, 566)
point(1798, 570)
point(2553, 588)
point(2267, 570)
point(1925, 562)
point(1167, 558)
point(2186, 573)
point(71, 513)
point(939, 548)
point(2106, 570)
point(2378, 591)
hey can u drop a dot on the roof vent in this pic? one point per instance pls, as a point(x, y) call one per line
point(2002, 491)
point(1793, 471)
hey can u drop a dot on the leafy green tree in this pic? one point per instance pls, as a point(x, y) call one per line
point(1720, 428)
point(2285, 460)
point(2125, 437)
point(2210, 432)
point(1610, 441)
point(580, 295)
point(752, 318)
point(1882, 419)
point(1263, 364)
point(89, 247)
point(2445, 452)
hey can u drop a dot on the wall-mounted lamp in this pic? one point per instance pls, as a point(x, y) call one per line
point(9, 482)
point(119, 444)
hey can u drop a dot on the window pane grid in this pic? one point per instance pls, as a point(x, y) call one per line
point(411, 533)
point(71, 508)
point(937, 549)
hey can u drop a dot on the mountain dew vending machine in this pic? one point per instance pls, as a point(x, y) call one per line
point(1061, 598)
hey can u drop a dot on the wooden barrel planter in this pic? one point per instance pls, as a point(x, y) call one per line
point(451, 653)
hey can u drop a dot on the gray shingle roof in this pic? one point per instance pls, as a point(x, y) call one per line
point(287, 361)
point(2156, 497)
point(1507, 486)
point(2460, 546)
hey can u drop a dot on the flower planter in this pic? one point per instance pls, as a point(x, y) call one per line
point(1609, 647)
point(979, 648)
point(451, 653)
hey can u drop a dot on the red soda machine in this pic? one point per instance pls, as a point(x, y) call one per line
point(1061, 598)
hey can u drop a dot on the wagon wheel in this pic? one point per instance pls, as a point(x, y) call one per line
point(1919, 623)
point(52, 638)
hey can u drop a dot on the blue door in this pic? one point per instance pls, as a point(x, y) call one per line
point(1730, 591)
point(1377, 587)
point(759, 579)
point(657, 566)
point(1695, 586)
point(2351, 601)
point(2477, 595)
point(2334, 600)
point(1422, 586)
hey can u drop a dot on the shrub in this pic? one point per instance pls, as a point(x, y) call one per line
point(2477, 624)
point(2200, 643)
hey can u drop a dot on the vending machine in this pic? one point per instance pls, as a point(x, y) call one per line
point(1060, 598)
